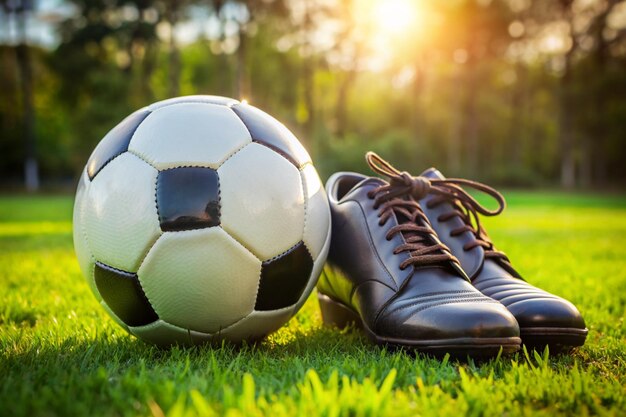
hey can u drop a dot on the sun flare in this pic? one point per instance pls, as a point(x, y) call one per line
point(395, 16)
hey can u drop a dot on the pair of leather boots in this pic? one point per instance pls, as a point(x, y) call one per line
point(410, 264)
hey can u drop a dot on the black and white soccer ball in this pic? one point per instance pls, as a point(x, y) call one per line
point(198, 219)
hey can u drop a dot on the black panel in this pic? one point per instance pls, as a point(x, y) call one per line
point(284, 279)
point(114, 143)
point(188, 198)
point(123, 294)
point(268, 131)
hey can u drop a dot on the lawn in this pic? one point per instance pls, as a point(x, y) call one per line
point(62, 355)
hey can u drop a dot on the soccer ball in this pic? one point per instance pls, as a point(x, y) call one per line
point(200, 219)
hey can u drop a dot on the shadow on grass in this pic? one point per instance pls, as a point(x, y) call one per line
point(277, 364)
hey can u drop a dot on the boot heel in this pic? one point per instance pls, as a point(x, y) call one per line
point(335, 314)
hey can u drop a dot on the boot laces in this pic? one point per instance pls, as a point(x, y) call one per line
point(449, 190)
point(398, 197)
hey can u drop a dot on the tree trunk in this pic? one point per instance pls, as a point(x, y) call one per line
point(566, 131)
point(342, 101)
point(418, 86)
point(174, 55)
point(147, 69)
point(595, 142)
point(31, 168)
point(566, 107)
point(470, 125)
point(308, 72)
point(513, 147)
point(242, 90)
point(454, 142)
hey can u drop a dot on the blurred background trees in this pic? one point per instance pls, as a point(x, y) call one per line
point(514, 92)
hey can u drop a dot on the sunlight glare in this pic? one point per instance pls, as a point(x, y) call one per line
point(395, 16)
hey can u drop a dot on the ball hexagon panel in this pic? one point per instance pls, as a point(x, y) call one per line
point(122, 292)
point(222, 101)
point(162, 334)
point(262, 202)
point(83, 253)
point(270, 132)
point(189, 134)
point(188, 198)
point(115, 142)
point(284, 278)
point(202, 280)
point(252, 327)
point(317, 220)
point(120, 218)
point(315, 273)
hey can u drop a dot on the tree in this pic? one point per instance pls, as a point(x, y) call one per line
point(20, 11)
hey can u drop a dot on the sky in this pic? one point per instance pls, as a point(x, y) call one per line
point(40, 24)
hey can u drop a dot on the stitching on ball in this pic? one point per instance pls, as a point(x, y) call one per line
point(287, 252)
point(305, 194)
point(140, 156)
point(234, 153)
point(188, 166)
point(239, 242)
point(105, 164)
point(219, 197)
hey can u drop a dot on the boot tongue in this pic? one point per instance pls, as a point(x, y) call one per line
point(371, 181)
point(366, 182)
point(374, 182)
point(433, 173)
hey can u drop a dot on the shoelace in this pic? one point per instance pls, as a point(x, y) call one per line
point(446, 191)
point(421, 243)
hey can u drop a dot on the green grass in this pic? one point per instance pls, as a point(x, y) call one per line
point(61, 355)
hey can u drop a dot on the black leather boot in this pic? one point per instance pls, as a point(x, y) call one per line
point(389, 273)
point(544, 319)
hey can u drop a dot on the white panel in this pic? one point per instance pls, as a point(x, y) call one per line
point(257, 325)
point(161, 333)
point(193, 99)
point(120, 215)
point(189, 134)
point(317, 214)
point(83, 253)
point(253, 327)
point(315, 273)
point(262, 201)
point(201, 280)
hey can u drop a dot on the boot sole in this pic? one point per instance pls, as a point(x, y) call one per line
point(337, 314)
point(558, 339)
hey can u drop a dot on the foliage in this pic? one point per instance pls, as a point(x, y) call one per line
point(60, 354)
point(515, 92)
